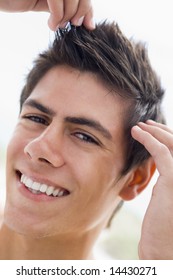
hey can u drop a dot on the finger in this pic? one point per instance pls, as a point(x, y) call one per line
point(70, 9)
point(40, 5)
point(56, 9)
point(160, 152)
point(163, 126)
point(88, 21)
point(163, 135)
point(84, 15)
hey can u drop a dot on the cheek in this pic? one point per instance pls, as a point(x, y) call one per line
point(97, 192)
point(95, 174)
point(15, 147)
point(97, 184)
point(12, 149)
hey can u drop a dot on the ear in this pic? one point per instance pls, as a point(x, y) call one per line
point(138, 180)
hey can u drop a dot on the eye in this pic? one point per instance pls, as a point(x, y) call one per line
point(36, 119)
point(86, 138)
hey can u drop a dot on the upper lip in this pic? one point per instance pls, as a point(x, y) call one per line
point(41, 180)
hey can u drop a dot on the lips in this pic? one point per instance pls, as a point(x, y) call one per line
point(42, 188)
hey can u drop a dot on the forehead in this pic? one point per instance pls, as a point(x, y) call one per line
point(70, 92)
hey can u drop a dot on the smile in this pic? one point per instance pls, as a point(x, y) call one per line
point(38, 188)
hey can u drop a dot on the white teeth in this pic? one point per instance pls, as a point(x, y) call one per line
point(56, 192)
point(50, 190)
point(34, 191)
point(36, 187)
point(43, 188)
point(29, 183)
point(22, 178)
point(61, 193)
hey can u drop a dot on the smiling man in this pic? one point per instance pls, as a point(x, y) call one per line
point(64, 162)
point(69, 163)
point(73, 157)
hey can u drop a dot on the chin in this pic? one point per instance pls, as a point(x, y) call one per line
point(23, 226)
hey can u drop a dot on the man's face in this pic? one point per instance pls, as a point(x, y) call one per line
point(68, 145)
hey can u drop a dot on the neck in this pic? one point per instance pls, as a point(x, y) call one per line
point(17, 247)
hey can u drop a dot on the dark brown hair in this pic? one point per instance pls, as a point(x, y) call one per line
point(122, 64)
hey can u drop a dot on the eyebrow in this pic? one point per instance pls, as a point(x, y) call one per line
point(73, 120)
point(90, 123)
point(37, 105)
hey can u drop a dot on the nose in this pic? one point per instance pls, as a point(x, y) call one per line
point(46, 148)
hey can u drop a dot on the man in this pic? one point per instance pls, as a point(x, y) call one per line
point(73, 158)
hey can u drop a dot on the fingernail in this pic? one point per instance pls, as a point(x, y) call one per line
point(150, 121)
point(142, 124)
point(63, 25)
point(92, 24)
point(51, 23)
point(136, 127)
point(57, 27)
point(80, 21)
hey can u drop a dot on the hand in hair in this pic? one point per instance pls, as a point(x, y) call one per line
point(61, 11)
point(156, 237)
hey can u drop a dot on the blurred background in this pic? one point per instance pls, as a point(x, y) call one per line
point(23, 36)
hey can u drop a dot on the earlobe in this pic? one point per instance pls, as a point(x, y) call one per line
point(138, 180)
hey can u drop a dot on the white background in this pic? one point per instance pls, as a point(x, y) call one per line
point(22, 36)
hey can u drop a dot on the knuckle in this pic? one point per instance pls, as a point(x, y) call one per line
point(163, 149)
point(84, 8)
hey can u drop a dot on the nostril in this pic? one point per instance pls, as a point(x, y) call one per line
point(41, 152)
point(44, 160)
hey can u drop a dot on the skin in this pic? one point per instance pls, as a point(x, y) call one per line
point(51, 148)
point(61, 11)
point(156, 236)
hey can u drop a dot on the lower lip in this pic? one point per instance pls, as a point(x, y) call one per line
point(36, 197)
